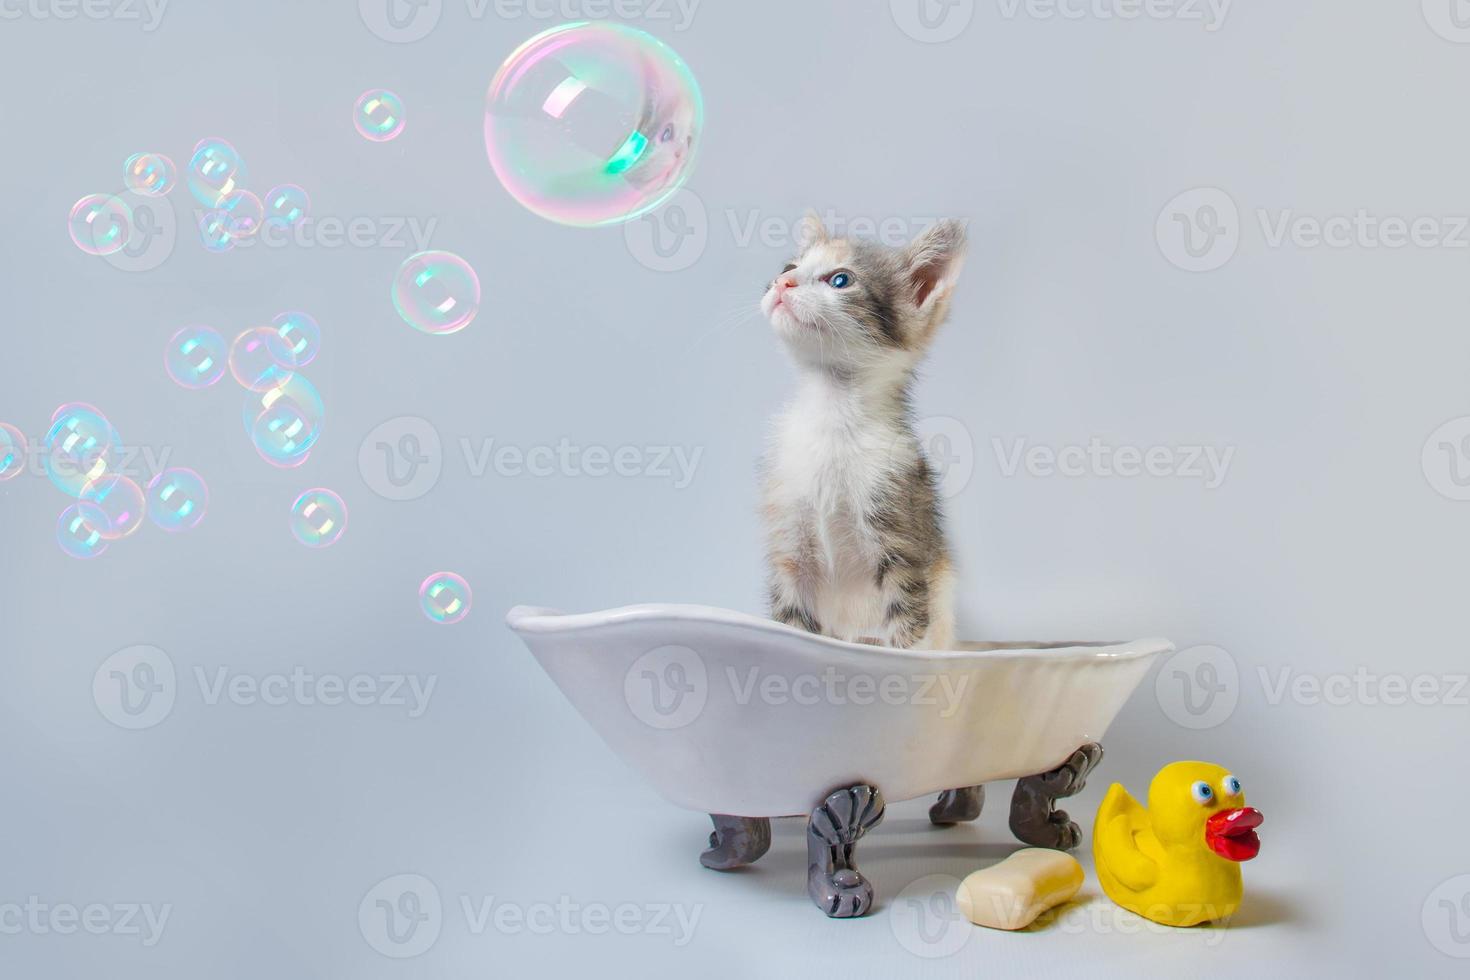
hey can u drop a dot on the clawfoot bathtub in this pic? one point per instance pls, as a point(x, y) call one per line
point(746, 719)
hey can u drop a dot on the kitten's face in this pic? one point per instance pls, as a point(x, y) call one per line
point(849, 305)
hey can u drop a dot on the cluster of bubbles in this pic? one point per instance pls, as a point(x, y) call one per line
point(283, 412)
point(585, 124)
point(593, 123)
point(216, 177)
point(445, 597)
point(100, 224)
point(82, 455)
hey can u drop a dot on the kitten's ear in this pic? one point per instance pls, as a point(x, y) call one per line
point(933, 260)
point(811, 231)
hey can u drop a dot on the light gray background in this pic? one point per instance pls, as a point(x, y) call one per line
point(1330, 546)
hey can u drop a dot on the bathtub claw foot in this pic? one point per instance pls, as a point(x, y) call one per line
point(833, 830)
point(957, 806)
point(1033, 819)
point(736, 841)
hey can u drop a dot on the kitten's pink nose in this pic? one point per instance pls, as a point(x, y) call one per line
point(784, 283)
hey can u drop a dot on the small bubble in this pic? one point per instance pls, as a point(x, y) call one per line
point(436, 292)
point(378, 115)
point(445, 597)
point(215, 171)
point(318, 518)
point(286, 205)
point(260, 359)
point(150, 174)
point(100, 224)
point(113, 506)
point(301, 334)
point(76, 537)
point(177, 499)
point(13, 447)
point(196, 357)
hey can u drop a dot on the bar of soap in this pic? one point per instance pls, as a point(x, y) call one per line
point(1011, 894)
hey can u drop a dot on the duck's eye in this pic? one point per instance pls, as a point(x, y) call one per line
point(1201, 792)
point(840, 280)
point(1230, 785)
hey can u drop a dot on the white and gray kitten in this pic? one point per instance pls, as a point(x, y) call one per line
point(855, 538)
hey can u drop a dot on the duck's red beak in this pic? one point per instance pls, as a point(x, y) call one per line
point(1232, 833)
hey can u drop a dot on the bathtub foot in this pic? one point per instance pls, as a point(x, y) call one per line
point(957, 806)
point(1033, 820)
point(832, 830)
point(736, 841)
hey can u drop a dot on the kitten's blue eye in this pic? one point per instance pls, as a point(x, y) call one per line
point(1201, 792)
point(840, 280)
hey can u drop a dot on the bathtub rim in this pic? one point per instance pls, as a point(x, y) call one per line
point(545, 621)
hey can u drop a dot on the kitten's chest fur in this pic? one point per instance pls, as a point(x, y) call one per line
point(831, 472)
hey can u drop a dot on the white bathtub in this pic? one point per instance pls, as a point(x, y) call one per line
point(728, 713)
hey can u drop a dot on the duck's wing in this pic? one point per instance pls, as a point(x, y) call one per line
point(1120, 820)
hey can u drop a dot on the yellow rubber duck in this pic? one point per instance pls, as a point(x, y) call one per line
point(1178, 862)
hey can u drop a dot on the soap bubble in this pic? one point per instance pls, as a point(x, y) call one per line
point(76, 537)
point(150, 174)
point(593, 123)
point(13, 447)
point(445, 597)
point(214, 231)
point(243, 214)
point(284, 422)
point(78, 448)
point(260, 359)
point(100, 224)
point(113, 506)
point(318, 518)
point(301, 334)
point(177, 499)
point(436, 292)
point(215, 171)
point(196, 357)
point(378, 115)
point(286, 205)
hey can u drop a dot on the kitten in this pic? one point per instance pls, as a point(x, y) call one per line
point(855, 539)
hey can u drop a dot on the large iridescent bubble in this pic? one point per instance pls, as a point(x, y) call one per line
point(436, 292)
point(593, 123)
